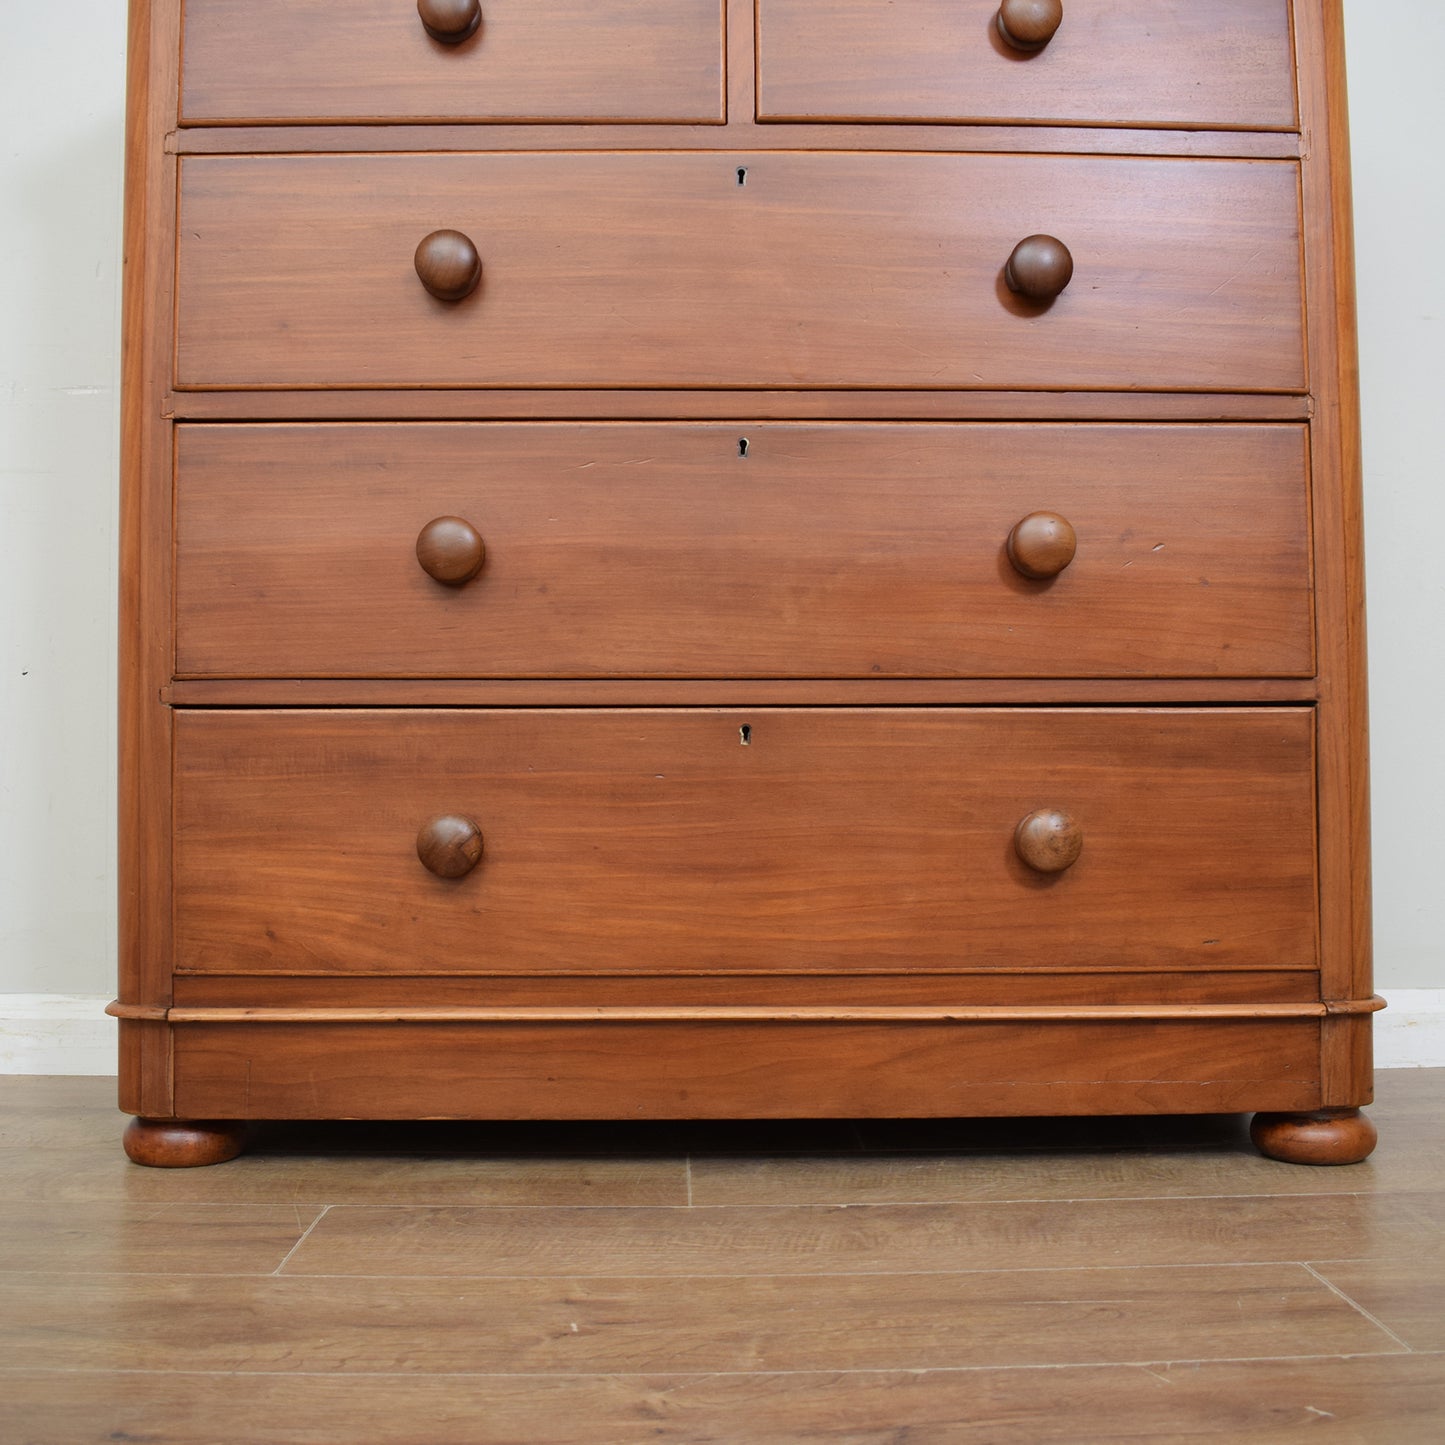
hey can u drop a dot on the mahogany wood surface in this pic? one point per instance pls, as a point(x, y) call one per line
point(863, 551)
point(1343, 723)
point(503, 404)
point(450, 21)
point(593, 60)
point(1110, 62)
point(1039, 268)
point(811, 840)
point(146, 612)
point(450, 551)
point(690, 692)
point(1041, 545)
point(739, 131)
point(1033, 986)
point(751, 1070)
point(728, 622)
point(1029, 25)
point(182, 1144)
point(448, 266)
point(1326, 1136)
point(662, 270)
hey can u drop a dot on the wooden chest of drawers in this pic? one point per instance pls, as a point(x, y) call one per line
point(691, 558)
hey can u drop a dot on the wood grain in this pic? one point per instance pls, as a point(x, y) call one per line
point(1155, 1168)
point(445, 1326)
point(1381, 1397)
point(803, 1240)
point(500, 404)
point(160, 1238)
point(464, 1165)
point(739, 132)
point(697, 1070)
point(837, 272)
point(1137, 62)
point(1031, 985)
point(1403, 1294)
point(146, 637)
point(751, 692)
point(1347, 959)
point(95, 1357)
point(825, 551)
point(655, 841)
point(661, 270)
point(590, 60)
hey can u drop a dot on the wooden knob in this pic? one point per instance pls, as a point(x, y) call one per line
point(448, 265)
point(1039, 268)
point(449, 846)
point(1049, 840)
point(450, 21)
point(451, 550)
point(1042, 544)
point(1029, 24)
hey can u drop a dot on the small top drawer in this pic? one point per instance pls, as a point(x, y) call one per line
point(268, 61)
point(1214, 64)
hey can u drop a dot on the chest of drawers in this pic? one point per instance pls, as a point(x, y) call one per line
point(691, 558)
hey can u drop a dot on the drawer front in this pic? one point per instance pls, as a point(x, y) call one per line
point(665, 551)
point(528, 60)
point(769, 840)
point(1195, 63)
point(662, 270)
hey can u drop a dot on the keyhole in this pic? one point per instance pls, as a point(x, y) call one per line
point(742, 446)
point(745, 734)
point(742, 175)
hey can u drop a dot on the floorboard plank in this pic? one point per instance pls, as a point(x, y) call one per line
point(1363, 1400)
point(91, 1176)
point(157, 1238)
point(876, 1239)
point(1405, 1295)
point(551, 1326)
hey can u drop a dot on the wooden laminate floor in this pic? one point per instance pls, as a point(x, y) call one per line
point(920, 1282)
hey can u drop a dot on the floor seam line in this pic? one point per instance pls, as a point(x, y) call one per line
point(305, 1235)
point(1165, 1363)
point(1358, 1307)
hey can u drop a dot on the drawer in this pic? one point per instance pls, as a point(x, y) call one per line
point(769, 840)
point(628, 269)
point(528, 60)
point(663, 550)
point(1196, 63)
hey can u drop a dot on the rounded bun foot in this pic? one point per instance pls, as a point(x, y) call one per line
point(181, 1143)
point(1324, 1136)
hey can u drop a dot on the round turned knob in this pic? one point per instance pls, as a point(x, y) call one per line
point(448, 265)
point(450, 21)
point(1049, 840)
point(1029, 24)
point(1042, 545)
point(451, 550)
point(1039, 268)
point(449, 846)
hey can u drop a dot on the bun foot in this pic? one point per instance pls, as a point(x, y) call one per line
point(181, 1143)
point(1325, 1136)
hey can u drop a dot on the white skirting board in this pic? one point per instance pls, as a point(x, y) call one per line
point(44, 1033)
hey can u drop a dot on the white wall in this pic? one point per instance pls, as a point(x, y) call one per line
point(1397, 114)
point(59, 312)
point(61, 116)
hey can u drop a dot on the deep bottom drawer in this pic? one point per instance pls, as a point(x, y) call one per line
point(776, 840)
point(704, 1070)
